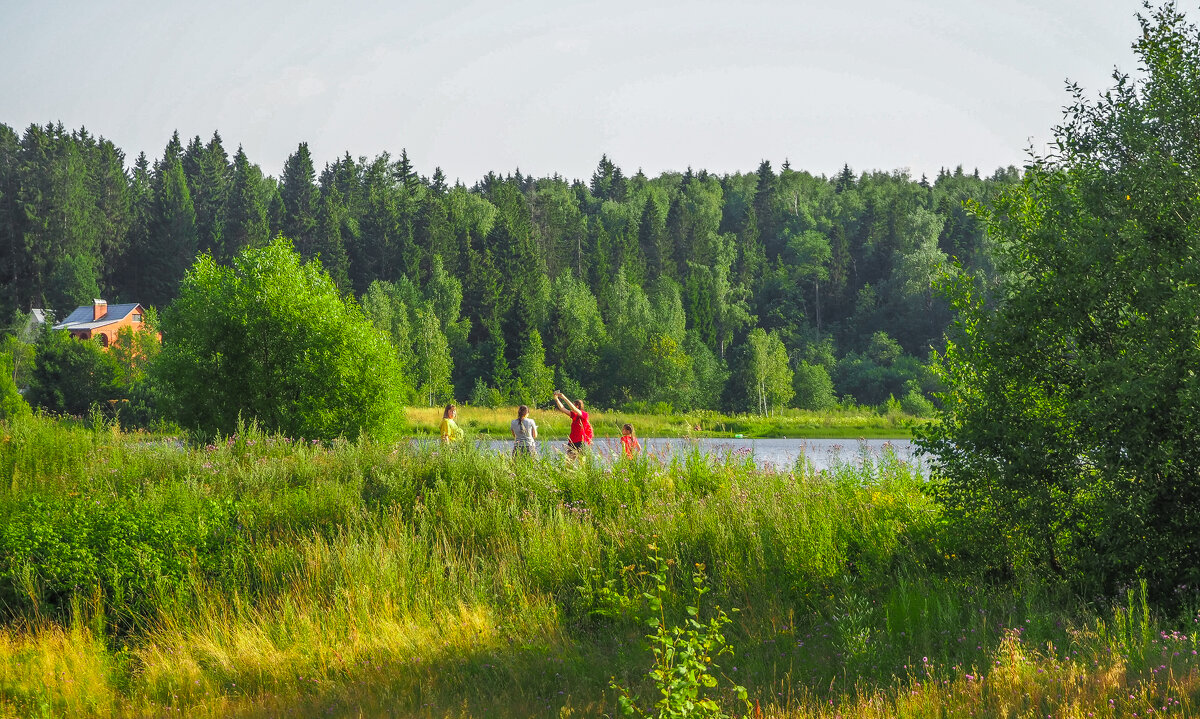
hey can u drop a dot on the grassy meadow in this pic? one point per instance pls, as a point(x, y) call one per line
point(263, 577)
point(837, 423)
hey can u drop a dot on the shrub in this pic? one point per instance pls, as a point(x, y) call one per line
point(270, 338)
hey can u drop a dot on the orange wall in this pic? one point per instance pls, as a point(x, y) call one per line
point(110, 331)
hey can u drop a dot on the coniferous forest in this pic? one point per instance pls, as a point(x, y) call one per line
point(751, 291)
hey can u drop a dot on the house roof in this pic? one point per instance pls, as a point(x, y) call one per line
point(37, 318)
point(81, 318)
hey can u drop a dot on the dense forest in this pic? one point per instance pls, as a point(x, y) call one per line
point(746, 292)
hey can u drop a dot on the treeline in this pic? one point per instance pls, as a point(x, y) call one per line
point(688, 290)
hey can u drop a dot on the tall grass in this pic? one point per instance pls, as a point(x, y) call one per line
point(258, 576)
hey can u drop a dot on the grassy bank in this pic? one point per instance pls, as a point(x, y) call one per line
point(841, 424)
point(261, 577)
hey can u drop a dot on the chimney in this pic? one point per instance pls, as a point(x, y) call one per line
point(99, 309)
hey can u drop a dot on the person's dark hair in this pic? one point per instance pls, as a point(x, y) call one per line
point(579, 404)
point(522, 412)
point(627, 428)
point(448, 410)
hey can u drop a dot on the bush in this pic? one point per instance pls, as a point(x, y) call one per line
point(814, 388)
point(12, 404)
point(914, 402)
point(271, 339)
point(130, 552)
point(1067, 437)
point(72, 375)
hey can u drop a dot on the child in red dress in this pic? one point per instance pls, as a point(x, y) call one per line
point(629, 443)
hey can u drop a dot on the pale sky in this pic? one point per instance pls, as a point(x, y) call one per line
point(549, 86)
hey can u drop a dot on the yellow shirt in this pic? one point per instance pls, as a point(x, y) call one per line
point(451, 432)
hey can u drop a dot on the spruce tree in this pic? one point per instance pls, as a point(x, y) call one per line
point(332, 217)
point(174, 242)
point(210, 196)
point(298, 193)
point(13, 254)
point(245, 213)
point(535, 378)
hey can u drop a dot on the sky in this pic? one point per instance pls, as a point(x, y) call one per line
point(549, 86)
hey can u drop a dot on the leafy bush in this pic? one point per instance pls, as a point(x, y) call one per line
point(130, 552)
point(1067, 437)
point(71, 375)
point(684, 656)
point(914, 402)
point(271, 338)
point(12, 404)
point(814, 388)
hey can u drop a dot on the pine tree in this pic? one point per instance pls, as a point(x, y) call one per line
point(438, 185)
point(533, 376)
point(110, 190)
point(192, 159)
point(174, 243)
point(765, 216)
point(298, 193)
point(210, 193)
point(651, 236)
point(129, 282)
point(332, 218)
point(172, 152)
point(674, 246)
point(245, 213)
point(13, 254)
point(845, 179)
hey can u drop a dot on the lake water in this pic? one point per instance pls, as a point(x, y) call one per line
point(778, 453)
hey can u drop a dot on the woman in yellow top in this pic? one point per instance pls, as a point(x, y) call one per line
point(451, 432)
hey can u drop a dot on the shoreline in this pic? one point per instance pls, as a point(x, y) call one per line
point(493, 423)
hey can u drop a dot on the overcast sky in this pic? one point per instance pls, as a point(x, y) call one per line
point(548, 86)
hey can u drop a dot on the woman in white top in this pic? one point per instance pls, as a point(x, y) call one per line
point(524, 432)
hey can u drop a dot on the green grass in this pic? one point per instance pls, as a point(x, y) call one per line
point(263, 577)
point(838, 424)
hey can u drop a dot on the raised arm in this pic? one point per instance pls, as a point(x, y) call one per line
point(558, 403)
point(569, 405)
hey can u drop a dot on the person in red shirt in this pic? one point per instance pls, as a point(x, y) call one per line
point(581, 428)
point(629, 443)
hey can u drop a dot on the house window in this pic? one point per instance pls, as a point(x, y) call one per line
point(103, 340)
point(137, 317)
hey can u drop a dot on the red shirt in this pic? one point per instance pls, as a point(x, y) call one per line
point(630, 444)
point(581, 429)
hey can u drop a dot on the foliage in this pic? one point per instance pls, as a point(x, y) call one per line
point(814, 388)
point(70, 376)
point(535, 380)
point(433, 366)
point(643, 289)
point(411, 579)
point(72, 284)
point(270, 338)
point(684, 656)
point(1067, 433)
point(765, 374)
point(12, 404)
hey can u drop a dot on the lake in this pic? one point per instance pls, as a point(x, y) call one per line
point(778, 453)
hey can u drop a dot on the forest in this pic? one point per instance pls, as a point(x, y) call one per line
point(742, 292)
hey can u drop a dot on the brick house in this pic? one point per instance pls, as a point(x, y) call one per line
point(102, 321)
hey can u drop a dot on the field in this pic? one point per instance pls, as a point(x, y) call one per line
point(841, 423)
point(263, 577)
